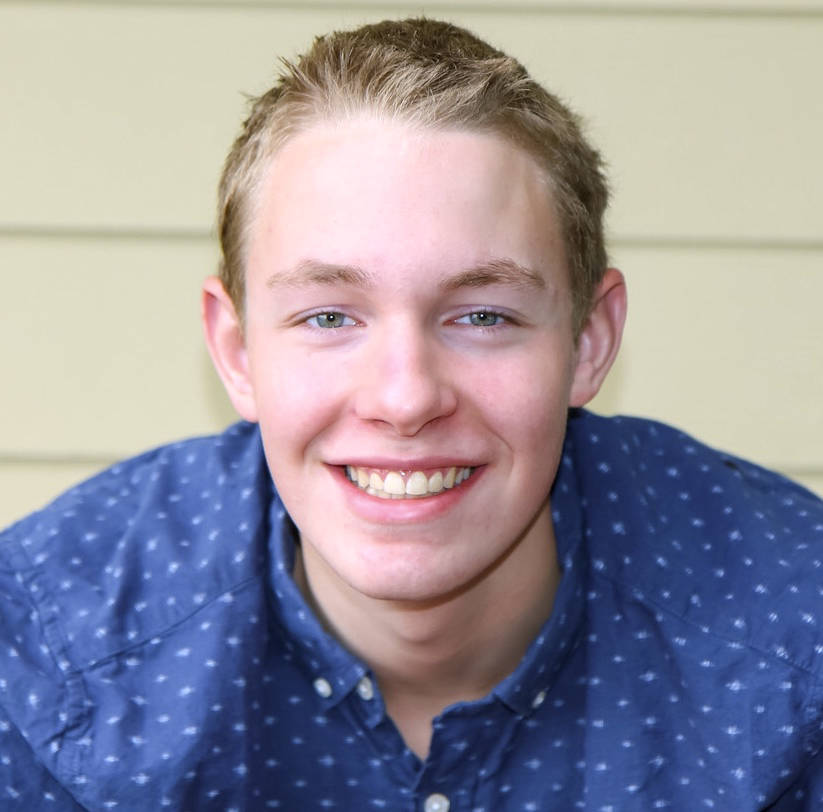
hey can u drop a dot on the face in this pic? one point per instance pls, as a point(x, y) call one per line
point(408, 352)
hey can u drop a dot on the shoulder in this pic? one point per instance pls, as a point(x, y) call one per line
point(122, 543)
point(113, 567)
point(724, 544)
point(657, 470)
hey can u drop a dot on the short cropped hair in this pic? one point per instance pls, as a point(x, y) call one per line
point(429, 74)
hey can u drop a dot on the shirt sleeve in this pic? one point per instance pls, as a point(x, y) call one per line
point(39, 701)
point(25, 783)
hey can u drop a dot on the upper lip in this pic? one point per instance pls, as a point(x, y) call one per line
point(407, 464)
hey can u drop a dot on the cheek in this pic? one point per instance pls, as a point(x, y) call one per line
point(527, 401)
point(295, 397)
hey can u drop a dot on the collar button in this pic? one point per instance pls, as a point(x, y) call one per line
point(365, 689)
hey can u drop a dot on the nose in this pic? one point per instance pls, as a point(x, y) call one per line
point(405, 381)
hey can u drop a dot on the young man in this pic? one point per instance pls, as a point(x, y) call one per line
point(418, 577)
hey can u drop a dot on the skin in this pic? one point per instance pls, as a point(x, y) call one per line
point(439, 254)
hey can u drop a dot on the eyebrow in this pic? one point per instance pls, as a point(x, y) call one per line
point(502, 271)
point(313, 272)
point(495, 272)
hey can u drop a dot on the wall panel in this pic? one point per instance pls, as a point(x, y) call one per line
point(727, 345)
point(109, 358)
point(119, 116)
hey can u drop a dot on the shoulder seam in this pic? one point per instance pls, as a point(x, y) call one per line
point(138, 644)
point(642, 596)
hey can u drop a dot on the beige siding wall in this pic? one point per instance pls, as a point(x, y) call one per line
point(116, 117)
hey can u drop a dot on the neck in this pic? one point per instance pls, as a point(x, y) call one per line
point(429, 654)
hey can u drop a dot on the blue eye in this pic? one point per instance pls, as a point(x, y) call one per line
point(482, 318)
point(330, 319)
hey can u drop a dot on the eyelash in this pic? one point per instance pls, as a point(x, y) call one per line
point(339, 319)
point(500, 318)
point(325, 314)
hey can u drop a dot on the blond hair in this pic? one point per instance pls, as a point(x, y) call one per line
point(430, 74)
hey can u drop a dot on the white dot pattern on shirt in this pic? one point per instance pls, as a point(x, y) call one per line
point(691, 677)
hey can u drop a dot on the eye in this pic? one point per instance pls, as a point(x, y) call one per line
point(482, 318)
point(331, 318)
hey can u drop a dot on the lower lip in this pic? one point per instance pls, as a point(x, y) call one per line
point(403, 511)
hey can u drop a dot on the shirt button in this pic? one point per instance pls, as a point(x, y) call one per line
point(539, 699)
point(323, 687)
point(436, 803)
point(365, 689)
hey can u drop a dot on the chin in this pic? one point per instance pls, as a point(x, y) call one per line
point(412, 583)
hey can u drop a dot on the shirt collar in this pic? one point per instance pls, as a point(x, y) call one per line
point(530, 684)
point(322, 659)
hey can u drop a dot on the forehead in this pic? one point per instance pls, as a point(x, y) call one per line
point(379, 194)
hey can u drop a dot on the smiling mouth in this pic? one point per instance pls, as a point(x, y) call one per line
point(407, 484)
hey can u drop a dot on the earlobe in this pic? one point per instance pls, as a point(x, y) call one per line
point(227, 346)
point(600, 338)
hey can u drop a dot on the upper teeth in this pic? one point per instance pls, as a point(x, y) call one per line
point(401, 484)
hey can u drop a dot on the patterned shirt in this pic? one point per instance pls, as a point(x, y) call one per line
point(156, 653)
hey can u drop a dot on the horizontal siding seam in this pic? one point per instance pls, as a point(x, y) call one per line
point(105, 233)
point(661, 9)
point(192, 235)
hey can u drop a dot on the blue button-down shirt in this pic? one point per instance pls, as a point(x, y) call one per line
point(156, 653)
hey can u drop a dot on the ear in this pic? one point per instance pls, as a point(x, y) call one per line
point(227, 346)
point(599, 340)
